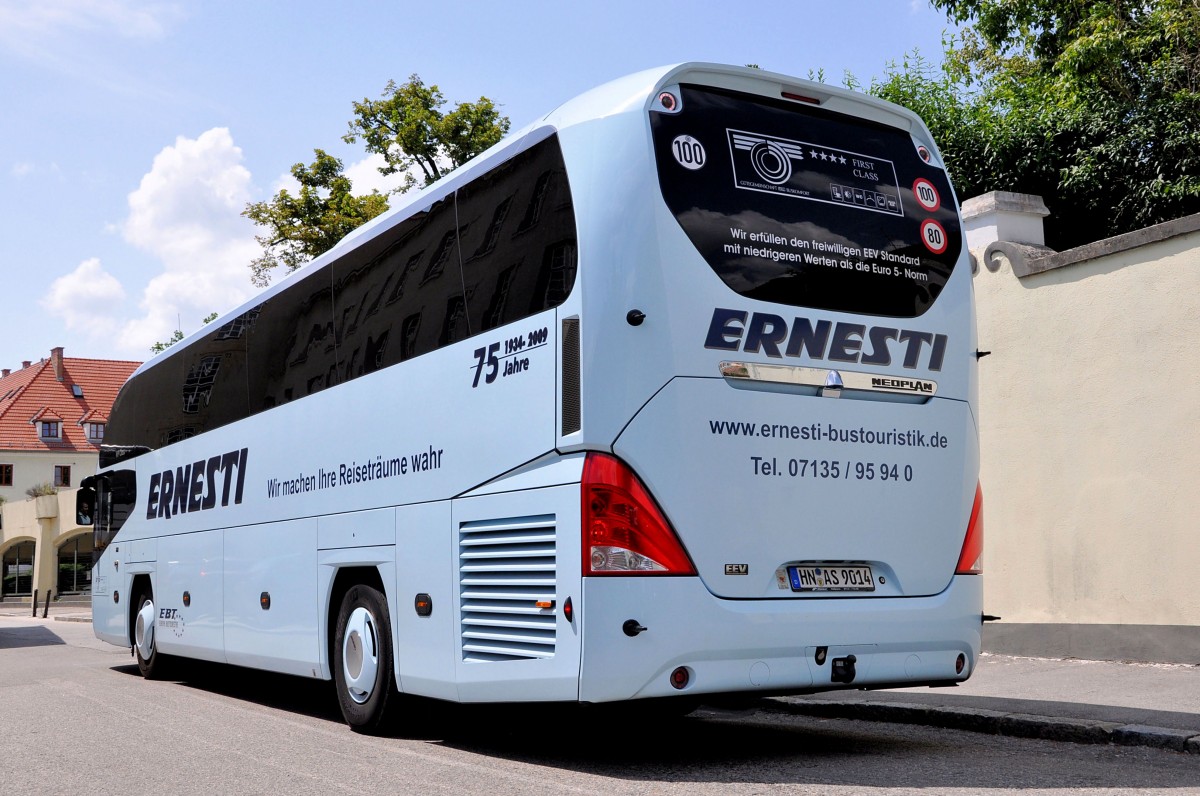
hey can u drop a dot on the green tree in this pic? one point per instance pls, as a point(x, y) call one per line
point(1091, 105)
point(308, 224)
point(409, 129)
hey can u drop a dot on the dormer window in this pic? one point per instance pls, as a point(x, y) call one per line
point(95, 432)
point(51, 429)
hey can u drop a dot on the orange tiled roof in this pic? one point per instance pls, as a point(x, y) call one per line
point(35, 393)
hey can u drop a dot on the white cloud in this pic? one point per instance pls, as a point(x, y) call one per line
point(24, 20)
point(365, 176)
point(187, 213)
point(24, 168)
point(75, 38)
point(87, 299)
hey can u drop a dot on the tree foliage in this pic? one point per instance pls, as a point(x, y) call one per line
point(308, 224)
point(1094, 106)
point(406, 126)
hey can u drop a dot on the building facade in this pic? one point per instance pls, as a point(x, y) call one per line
point(53, 415)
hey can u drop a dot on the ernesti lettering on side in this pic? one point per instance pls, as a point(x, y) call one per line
point(772, 335)
point(197, 486)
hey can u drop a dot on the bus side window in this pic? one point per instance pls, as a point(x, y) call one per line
point(105, 501)
point(409, 272)
point(85, 502)
point(517, 231)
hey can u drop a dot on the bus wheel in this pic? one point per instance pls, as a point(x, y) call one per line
point(362, 661)
point(150, 662)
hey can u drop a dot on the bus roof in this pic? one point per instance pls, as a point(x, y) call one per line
point(631, 93)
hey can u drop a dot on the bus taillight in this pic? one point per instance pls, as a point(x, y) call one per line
point(970, 561)
point(624, 532)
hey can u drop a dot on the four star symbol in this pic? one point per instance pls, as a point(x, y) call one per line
point(827, 156)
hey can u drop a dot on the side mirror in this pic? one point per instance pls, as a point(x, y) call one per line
point(85, 503)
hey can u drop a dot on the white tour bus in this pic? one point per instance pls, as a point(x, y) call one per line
point(670, 394)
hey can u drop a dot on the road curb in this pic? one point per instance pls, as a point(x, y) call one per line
point(995, 722)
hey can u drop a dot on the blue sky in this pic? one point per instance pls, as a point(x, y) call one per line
point(133, 133)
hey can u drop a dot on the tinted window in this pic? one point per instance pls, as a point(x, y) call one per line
point(404, 293)
point(116, 495)
point(201, 387)
point(395, 296)
point(800, 206)
point(291, 344)
point(517, 232)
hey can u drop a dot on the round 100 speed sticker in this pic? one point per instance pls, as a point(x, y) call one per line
point(927, 195)
point(688, 152)
point(933, 236)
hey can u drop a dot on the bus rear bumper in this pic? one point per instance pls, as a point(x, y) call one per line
point(769, 646)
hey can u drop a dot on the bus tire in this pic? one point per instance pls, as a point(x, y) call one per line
point(362, 659)
point(151, 663)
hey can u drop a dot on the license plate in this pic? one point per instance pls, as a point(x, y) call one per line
point(831, 577)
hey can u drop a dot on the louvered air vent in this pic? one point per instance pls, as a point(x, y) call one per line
point(506, 567)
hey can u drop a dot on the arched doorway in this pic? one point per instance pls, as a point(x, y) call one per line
point(16, 570)
point(75, 565)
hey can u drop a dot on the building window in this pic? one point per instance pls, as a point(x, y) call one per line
point(440, 256)
point(6, 471)
point(62, 475)
point(493, 231)
point(95, 432)
point(197, 387)
point(533, 211)
point(51, 429)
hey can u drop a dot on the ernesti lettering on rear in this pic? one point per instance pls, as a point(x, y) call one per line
point(772, 335)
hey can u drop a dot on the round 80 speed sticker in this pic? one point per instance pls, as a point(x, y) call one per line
point(933, 235)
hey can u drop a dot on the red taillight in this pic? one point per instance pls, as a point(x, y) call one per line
point(970, 561)
point(624, 532)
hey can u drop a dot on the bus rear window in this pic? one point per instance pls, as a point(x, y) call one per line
point(801, 206)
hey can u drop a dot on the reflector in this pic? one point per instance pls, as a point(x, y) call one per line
point(970, 561)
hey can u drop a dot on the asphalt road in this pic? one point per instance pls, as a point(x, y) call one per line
point(75, 717)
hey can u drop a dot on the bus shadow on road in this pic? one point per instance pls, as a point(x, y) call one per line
point(755, 745)
point(302, 695)
point(766, 747)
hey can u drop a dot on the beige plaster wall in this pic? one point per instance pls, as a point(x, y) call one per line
point(37, 467)
point(50, 522)
point(1090, 438)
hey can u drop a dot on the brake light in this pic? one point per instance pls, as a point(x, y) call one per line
point(624, 531)
point(970, 561)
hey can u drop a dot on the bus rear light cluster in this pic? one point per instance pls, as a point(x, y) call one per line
point(970, 561)
point(624, 532)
